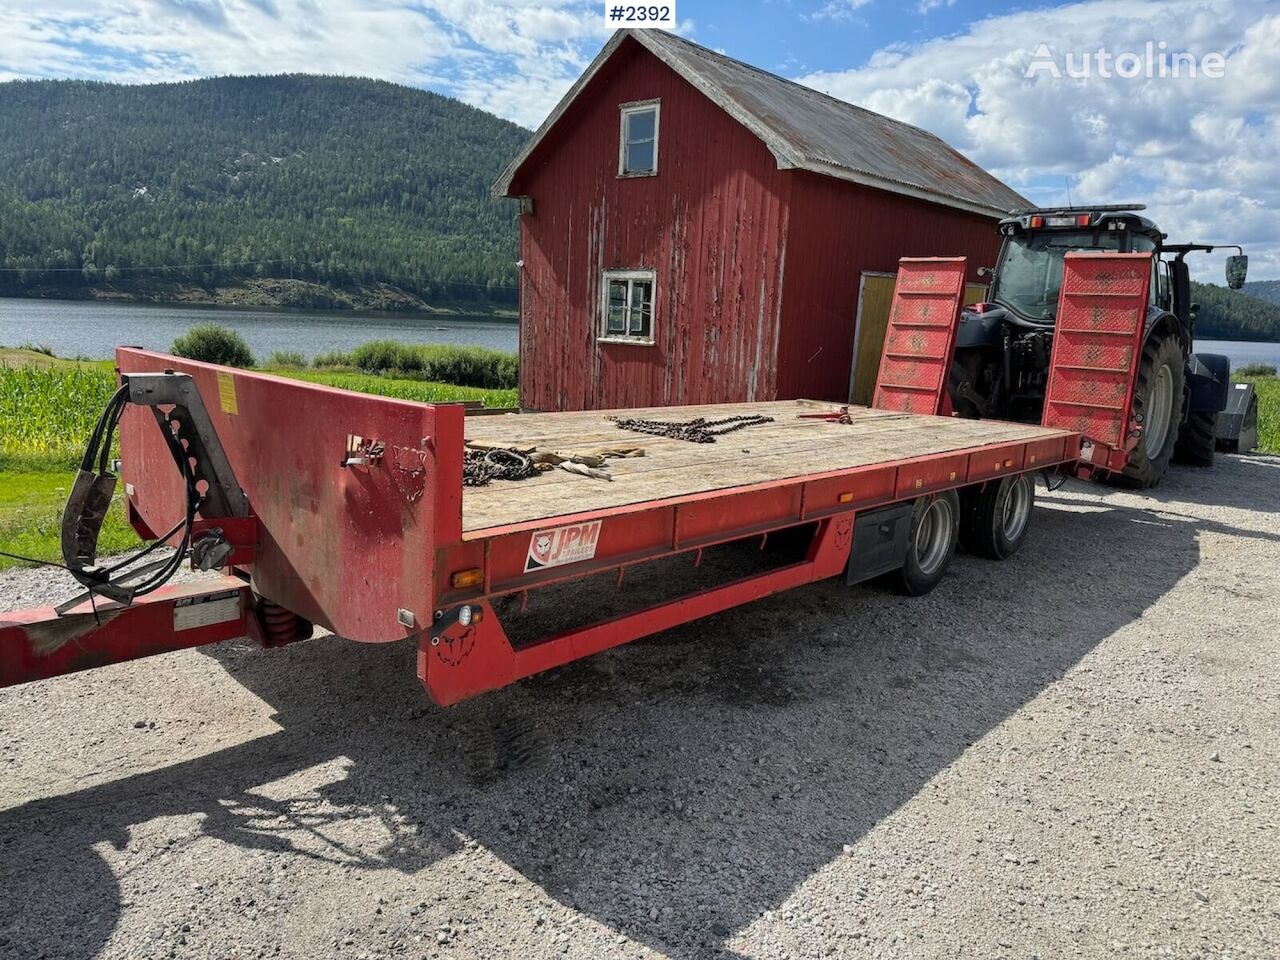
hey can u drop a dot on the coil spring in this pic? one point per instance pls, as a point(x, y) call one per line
point(280, 625)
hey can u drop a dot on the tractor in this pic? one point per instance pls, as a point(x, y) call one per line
point(1004, 345)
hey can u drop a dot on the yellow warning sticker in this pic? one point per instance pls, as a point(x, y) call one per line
point(227, 393)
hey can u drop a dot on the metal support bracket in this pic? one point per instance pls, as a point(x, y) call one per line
point(190, 420)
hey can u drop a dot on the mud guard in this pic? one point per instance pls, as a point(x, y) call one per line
point(1208, 382)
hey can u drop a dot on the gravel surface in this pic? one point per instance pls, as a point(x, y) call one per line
point(1073, 753)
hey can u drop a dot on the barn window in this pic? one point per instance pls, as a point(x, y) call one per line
point(627, 306)
point(638, 142)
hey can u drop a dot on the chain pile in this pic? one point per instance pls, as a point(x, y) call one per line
point(481, 466)
point(698, 430)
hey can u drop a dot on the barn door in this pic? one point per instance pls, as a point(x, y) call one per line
point(875, 296)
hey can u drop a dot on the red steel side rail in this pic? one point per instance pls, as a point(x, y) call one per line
point(460, 661)
point(38, 644)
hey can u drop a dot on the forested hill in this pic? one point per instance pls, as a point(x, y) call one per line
point(264, 185)
point(1268, 290)
point(1227, 314)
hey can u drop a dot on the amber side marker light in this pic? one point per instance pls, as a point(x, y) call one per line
point(466, 578)
point(845, 498)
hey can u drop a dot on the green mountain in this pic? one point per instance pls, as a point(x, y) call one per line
point(1227, 314)
point(300, 188)
point(1268, 290)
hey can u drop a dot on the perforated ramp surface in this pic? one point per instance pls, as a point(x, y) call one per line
point(921, 337)
point(1096, 344)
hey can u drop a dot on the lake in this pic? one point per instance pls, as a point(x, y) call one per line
point(1240, 352)
point(91, 329)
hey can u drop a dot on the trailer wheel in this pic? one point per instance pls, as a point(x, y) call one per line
point(996, 517)
point(931, 543)
point(1196, 440)
point(1158, 399)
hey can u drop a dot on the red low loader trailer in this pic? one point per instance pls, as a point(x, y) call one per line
point(358, 521)
point(318, 506)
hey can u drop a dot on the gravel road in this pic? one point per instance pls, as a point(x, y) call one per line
point(1074, 753)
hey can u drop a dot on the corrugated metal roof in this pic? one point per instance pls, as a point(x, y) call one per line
point(808, 130)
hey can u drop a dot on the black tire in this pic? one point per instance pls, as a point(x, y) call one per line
point(995, 517)
point(927, 562)
point(1197, 440)
point(1145, 468)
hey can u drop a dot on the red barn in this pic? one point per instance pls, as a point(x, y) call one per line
point(696, 230)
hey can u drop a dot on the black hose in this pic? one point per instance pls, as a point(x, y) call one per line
point(97, 452)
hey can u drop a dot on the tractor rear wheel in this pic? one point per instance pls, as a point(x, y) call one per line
point(931, 543)
point(1157, 399)
point(996, 516)
point(1196, 440)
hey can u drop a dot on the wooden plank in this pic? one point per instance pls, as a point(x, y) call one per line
point(788, 447)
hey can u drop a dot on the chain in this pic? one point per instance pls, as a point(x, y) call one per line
point(481, 466)
point(699, 430)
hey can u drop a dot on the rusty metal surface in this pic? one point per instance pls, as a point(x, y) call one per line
point(803, 128)
point(822, 131)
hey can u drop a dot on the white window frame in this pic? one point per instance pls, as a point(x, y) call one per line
point(625, 110)
point(649, 276)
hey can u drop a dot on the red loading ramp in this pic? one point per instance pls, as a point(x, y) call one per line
point(1097, 344)
point(921, 336)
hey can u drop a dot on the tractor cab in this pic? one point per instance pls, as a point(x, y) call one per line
point(1028, 275)
point(1005, 344)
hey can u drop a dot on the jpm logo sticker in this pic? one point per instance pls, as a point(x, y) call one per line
point(554, 548)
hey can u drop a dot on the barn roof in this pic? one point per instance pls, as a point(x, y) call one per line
point(808, 130)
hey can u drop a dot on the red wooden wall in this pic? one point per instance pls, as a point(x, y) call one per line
point(710, 224)
point(757, 268)
point(838, 230)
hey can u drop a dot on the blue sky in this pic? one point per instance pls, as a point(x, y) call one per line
point(1201, 152)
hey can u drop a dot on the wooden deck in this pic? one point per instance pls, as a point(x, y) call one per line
point(788, 447)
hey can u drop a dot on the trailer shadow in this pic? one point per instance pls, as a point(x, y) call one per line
point(1251, 476)
point(684, 785)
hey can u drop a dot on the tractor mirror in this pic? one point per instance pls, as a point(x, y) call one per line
point(1237, 268)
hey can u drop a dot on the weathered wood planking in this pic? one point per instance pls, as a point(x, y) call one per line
point(788, 447)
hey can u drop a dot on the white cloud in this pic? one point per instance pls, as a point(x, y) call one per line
point(513, 57)
point(838, 10)
point(1202, 153)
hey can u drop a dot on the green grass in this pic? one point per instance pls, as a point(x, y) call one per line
point(1268, 390)
point(48, 408)
point(423, 391)
point(31, 517)
point(439, 363)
